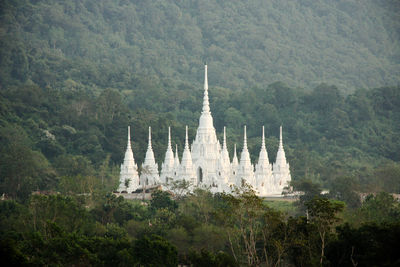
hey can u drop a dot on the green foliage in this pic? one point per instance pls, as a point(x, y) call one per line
point(323, 216)
point(22, 170)
point(206, 258)
point(380, 208)
point(155, 251)
point(229, 230)
point(162, 200)
point(369, 245)
point(309, 191)
point(344, 189)
point(102, 44)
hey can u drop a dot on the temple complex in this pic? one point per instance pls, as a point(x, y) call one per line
point(206, 164)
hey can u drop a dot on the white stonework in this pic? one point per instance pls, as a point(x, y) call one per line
point(167, 168)
point(129, 178)
point(207, 165)
point(186, 168)
point(149, 175)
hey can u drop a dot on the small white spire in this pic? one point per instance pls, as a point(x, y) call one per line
point(234, 151)
point(245, 139)
point(169, 138)
point(280, 137)
point(224, 142)
point(205, 78)
point(149, 138)
point(186, 139)
point(129, 137)
point(263, 138)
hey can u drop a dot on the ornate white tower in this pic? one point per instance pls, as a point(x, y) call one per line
point(280, 168)
point(149, 175)
point(128, 178)
point(186, 170)
point(167, 168)
point(234, 168)
point(206, 147)
point(263, 173)
point(176, 163)
point(224, 165)
point(245, 170)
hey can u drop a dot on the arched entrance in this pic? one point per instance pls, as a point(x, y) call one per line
point(200, 175)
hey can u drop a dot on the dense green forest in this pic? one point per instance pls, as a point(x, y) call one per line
point(98, 44)
point(75, 74)
point(200, 229)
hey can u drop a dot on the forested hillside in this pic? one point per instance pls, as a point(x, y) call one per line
point(99, 44)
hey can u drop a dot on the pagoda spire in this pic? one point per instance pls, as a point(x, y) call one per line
point(129, 136)
point(128, 152)
point(263, 157)
point(186, 157)
point(129, 179)
point(129, 146)
point(176, 161)
point(206, 104)
point(186, 168)
point(235, 158)
point(149, 167)
point(224, 165)
point(263, 138)
point(149, 145)
point(245, 170)
point(245, 156)
point(224, 141)
point(263, 173)
point(186, 139)
point(280, 156)
point(149, 160)
point(263, 160)
point(281, 168)
point(169, 139)
point(168, 164)
point(245, 139)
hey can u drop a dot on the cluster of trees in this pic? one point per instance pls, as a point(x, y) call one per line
point(101, 44)
point(197, 228)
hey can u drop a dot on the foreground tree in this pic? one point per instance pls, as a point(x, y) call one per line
point(323, 216)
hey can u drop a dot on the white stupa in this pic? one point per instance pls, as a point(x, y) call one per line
point(205, 164)
point(128, 178)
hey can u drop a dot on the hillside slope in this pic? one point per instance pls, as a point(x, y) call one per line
point(101, 44)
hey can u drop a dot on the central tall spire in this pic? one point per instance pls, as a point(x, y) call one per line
point(149, 144)
point(206, 104)
point(206, 120)
point(129, 138)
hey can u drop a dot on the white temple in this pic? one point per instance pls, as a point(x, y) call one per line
point(206, 164)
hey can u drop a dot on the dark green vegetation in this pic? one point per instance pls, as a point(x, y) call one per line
point(200, 229)
point(99, 44)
